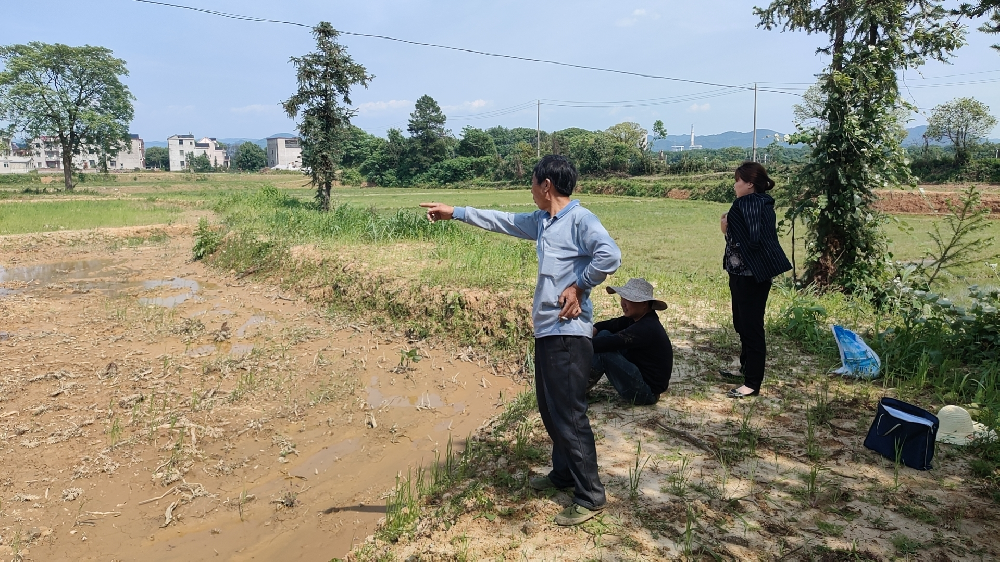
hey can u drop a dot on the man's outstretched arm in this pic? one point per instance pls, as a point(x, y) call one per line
point(520, 225)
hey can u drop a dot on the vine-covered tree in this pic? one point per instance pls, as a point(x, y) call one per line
point(322, 103)
point(963, 121)
point(249, 157)
point(859, 150)
point(73, 94)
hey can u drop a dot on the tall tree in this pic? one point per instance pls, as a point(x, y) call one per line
point(322, 103)
point(428, 142)
point(73, 94)
point(249, 157)
point(859, 150)
point(963, 121)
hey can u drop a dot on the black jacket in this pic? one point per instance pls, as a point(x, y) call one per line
point(752, 227)
point(644, 343)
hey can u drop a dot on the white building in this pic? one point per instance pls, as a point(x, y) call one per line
point(16, 164)
point(47, 155)
point(183, 148)
point(134, 158)
point(284, 153)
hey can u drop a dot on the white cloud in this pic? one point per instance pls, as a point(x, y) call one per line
point(376, 106)
point(696, 108)
point(256, 108)
point(637, 14)
point(470, 106)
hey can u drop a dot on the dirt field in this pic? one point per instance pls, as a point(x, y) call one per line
point(153, 409)
point(930, 199)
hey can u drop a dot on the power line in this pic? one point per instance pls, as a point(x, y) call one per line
point(448, 47)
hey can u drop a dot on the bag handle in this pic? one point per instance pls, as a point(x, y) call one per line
point(894, 428)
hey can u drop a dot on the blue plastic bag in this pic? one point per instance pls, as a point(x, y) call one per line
point(859, 361)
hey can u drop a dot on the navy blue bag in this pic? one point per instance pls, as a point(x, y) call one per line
point(905, 432)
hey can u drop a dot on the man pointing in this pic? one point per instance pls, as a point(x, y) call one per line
point(575, 254)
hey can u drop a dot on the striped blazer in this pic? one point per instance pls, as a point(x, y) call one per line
point(752, 227)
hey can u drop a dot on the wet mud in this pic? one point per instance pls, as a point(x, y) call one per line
point(154, 409)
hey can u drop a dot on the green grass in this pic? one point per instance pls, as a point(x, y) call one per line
point(48, 216)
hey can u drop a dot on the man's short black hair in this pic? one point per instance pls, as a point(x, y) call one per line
point(559, 170)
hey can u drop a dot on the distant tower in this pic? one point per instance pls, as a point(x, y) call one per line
point(693, 145)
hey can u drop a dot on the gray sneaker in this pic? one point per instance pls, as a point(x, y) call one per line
point(542, 483)
point(575, 514)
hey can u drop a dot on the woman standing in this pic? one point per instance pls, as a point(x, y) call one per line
point(753, 256)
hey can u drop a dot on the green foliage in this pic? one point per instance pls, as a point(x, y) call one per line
point(858, 148)
point(459, 169)
point(963, 121)
point(981, 8)
point(359, 146)
point(322, 104)
point(206, 240)
point(380, 168)
point(933, 324)
point(659, 130)
point(249, 157)
point(962, 243)
point(428, 142)
point(72, 93)
point(200, 164)
point(805, 321)
point(720, 192)
point(476, 143)
point(158, 157)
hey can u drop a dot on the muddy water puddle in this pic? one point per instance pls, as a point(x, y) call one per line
point(201, 419)
point(104, 275)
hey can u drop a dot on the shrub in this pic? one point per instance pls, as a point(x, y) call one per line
point(721, 192)
point(206, 240)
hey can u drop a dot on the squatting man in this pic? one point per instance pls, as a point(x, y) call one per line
point(634, 350)
point(575, 254)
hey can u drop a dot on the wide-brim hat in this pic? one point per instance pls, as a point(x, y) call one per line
point(638, 290)
point(956, 427)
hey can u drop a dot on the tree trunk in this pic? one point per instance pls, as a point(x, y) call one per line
point(324, 196)
point(67, 162)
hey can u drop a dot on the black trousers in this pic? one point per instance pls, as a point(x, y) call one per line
point(749, 302)
point(562, 370)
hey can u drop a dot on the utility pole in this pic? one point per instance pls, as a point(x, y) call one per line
point(754, 158)
point(538, 129)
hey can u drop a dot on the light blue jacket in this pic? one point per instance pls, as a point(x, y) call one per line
point(572, 247)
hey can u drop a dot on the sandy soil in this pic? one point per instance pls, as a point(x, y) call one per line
point(151, 408)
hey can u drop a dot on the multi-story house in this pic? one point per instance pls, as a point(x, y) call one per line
point(284, 153)
point(47, 155)
point(183, 148)
point(132, 159)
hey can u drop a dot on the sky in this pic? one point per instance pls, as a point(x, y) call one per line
point(210, 76)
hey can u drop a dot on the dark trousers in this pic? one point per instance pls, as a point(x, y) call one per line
point(624, 376)
point(562, 369)
point(749, 302)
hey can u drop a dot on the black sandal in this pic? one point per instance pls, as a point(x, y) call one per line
point(735, 393)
